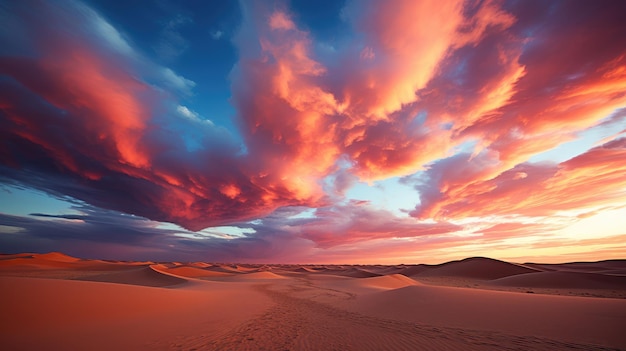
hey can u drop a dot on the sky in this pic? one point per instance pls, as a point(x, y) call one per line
point(360, 131)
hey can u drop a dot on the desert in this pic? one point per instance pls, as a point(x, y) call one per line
point(431, 175)
point(57, 302)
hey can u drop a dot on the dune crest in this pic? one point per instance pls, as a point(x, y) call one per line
point(392, 281)
point(56, 257)
point(477, 268)
point(258, 276)
point(145, 276)
point(355, 273)
point(193, 272)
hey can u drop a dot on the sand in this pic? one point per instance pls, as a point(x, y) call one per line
point(57, 302)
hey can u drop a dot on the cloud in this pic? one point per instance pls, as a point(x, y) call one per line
point(280, 20)
point(185, 112)
point(353, 223)
point(106, 31)
point(216, 34)
point(591, 179)
point(76, 120)
point(509, 230)
point(91, 229)
point(172, 43)
point(99, 233)
point(285, 118)
point(457, 96)
point(570, 81)
point(345, 233)
point(174, 81)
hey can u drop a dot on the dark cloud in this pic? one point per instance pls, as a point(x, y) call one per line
point(114, 235)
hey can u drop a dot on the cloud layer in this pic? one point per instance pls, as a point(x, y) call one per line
point(454, 96)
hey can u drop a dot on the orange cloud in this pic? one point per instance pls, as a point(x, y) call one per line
point(287, 119)
point(465, 91)
point(592, 179)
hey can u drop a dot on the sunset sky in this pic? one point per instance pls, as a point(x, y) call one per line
point(314, 131)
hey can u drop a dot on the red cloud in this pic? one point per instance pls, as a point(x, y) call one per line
point(419, 81)
point(81, 84)
point(77, 114)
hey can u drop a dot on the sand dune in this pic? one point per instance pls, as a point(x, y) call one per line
point(354, 287)
point(14, 256)
point(354, 273)
point(243, 268)
point(31, 263)
point(576, 319)
point(563, 280)
point(305, 270)
point(614, 272)
point(393, 281)
point(349, 271)
point(53, 260)
point(384, 270)
point(145, 276)
point(600, 266)
point(56, 257)
point(56, 314)
point(105, 305)
point(256, 276)
point(476, 268)
point(200, 264)
point(57, 265)
point(414, 270)
point(193, 272)
point(224, 269)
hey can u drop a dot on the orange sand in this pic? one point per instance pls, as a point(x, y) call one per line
point(57, 302)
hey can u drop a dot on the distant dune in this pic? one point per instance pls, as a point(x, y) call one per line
point(357, 273)
point(194, 272)
point(564, 280)
point(53, 260)
point(145, 276)
point(57, 302)
point(224, 269)
point(477, 268)
point(55, 257)
point(393, 281)
point(414, 270)
point(607, 266)
point(256, 276)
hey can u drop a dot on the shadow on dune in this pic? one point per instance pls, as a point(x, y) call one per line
point(144, 276)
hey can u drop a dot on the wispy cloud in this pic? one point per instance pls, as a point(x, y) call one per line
point(453, 188)
point(216, 34)
point(172, 43)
